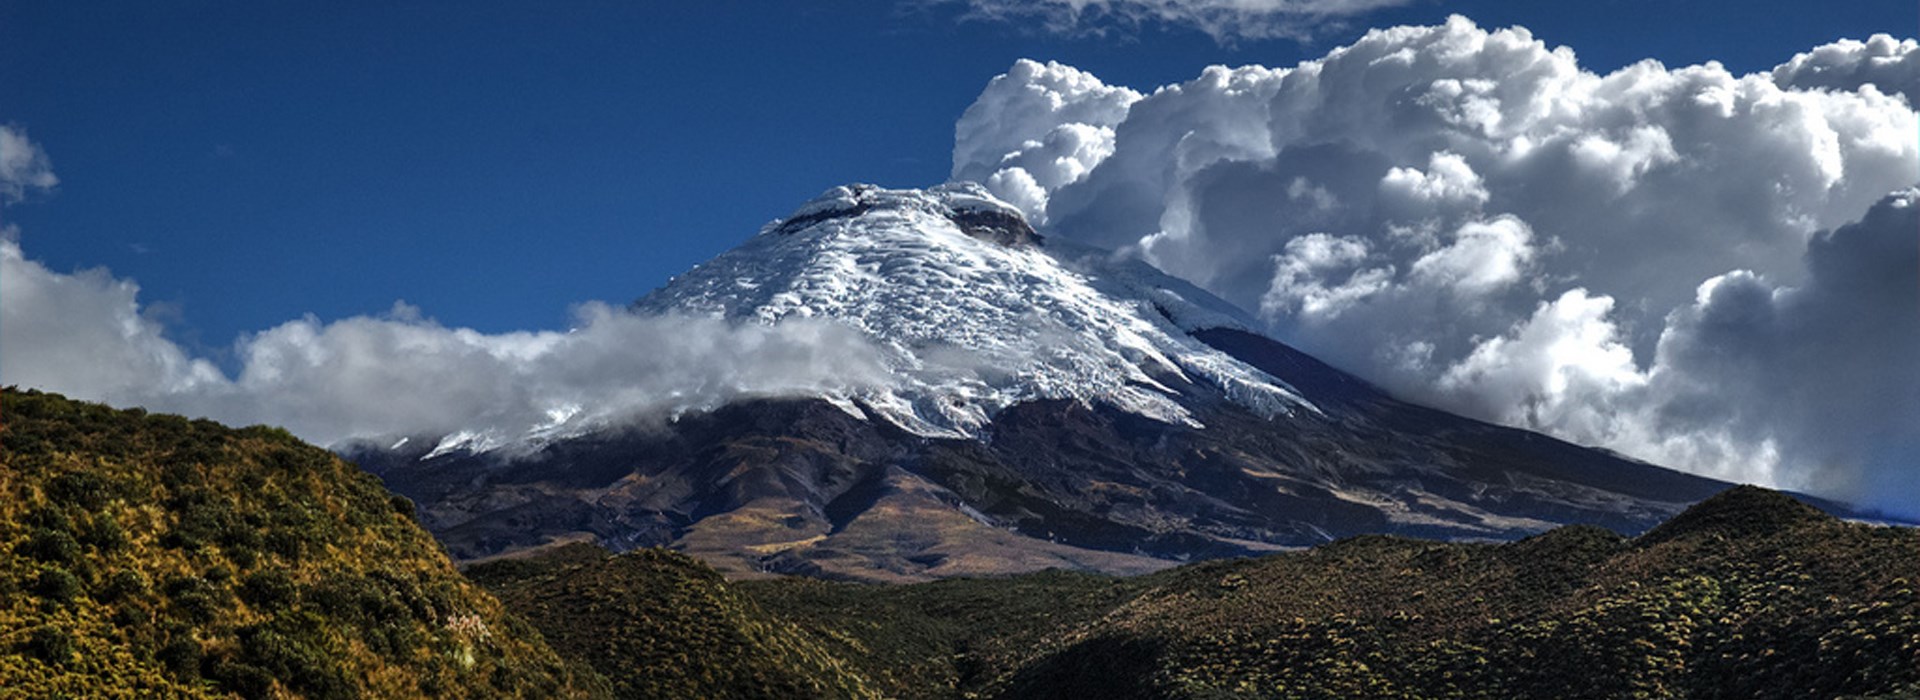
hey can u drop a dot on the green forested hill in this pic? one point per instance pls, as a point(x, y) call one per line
point(660, 624)
point(153, 556)
point(1750, 594)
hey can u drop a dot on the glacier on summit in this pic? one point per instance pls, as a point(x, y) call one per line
point(974, 312)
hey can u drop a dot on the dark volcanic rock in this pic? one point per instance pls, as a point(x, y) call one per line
point(800, 486)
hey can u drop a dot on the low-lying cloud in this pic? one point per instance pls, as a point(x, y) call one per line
point(400, 374)
point(1471, 219)
point(85, 334)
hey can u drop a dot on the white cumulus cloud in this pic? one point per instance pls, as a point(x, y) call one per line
point(1821, 374)
point(1890, 65)
point(1035, 129)
point(85, 329)
point(1472, 219)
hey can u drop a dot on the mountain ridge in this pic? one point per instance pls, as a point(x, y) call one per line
point(1046, 406)
point(1815, 607)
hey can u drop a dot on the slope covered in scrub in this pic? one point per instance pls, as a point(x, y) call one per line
point(660, 624)
point(1750, 594)
point(150, 555)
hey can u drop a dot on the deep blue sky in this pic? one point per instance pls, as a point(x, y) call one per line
point(494, 162)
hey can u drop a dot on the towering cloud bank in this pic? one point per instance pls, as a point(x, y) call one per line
point(1471, 219)
point(1036, 129)
point(1824, 372)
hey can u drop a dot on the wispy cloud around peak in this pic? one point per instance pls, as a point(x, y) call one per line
point(401, 373)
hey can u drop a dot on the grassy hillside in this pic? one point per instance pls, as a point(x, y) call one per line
point(152, 556)
point(1748, 595)
point(944, 639)
point(145, 555)
point(660, 624)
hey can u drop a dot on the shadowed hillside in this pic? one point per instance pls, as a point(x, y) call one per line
point(660, 624)
point(153, 556)
point(145, 555)
point(1750, 594)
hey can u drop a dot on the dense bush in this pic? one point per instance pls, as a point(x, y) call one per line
point(49, 545)
point(153, 556)
point(50, 644)
point(659, 624)
point(57, 585)
point(1750, 595)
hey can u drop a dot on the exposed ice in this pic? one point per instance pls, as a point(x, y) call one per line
point(973, 323)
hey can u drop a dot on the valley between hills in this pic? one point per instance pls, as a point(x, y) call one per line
point(147, 555)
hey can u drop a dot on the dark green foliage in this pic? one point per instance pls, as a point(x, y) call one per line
point(104, 532)
point(181, 658)
point(194, 598)
point(50, 644)
point(1741, 512)
point(153, 556)
point(659, 624)
point(1750, 595)
point(124, 584)
point(247, 681)
point(85, 490)
point(402, 505)
point(936, 639)
point(267, 589)
point(56, 546)
point(57, 585)
point(291, 649)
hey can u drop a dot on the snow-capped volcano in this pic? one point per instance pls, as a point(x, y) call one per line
point(1041, 405)
point(975, 312)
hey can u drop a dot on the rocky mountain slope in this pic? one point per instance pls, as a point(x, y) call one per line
point(1048, 406)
